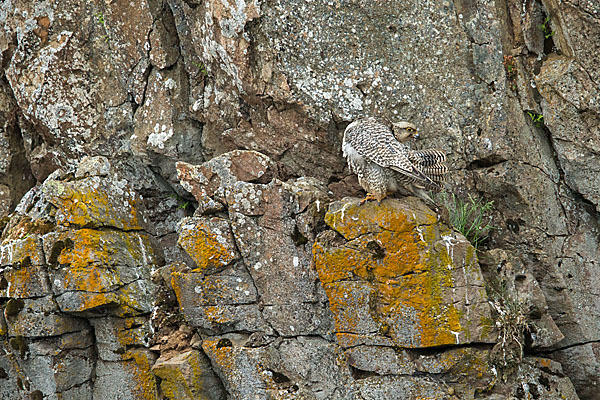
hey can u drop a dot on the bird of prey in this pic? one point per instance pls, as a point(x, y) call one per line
point(377, 153)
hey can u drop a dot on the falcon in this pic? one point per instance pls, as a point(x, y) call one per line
point(378, 153)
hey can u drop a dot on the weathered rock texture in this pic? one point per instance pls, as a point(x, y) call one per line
point(173, 214)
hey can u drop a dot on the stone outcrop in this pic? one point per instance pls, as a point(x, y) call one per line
point(177, 219)
point(76, 265)
point(398, 278)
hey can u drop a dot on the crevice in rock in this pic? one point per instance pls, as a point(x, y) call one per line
point(19, 176)
point(486, 162)
point(77, 385)
point(557, 349)
point(358, 374)
point(436, 350)
point(587, 205)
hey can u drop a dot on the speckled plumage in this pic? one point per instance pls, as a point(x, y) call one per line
point(382, 163)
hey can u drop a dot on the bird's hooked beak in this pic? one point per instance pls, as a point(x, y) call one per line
point(416, 135)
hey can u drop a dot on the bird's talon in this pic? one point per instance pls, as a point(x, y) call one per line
point(368, 197)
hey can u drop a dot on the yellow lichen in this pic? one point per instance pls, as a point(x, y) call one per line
point(143, 379)
point(206, 248)
point(174, 384)
point(408, 280)
point(88, 266)
point(219, 354)
point(217, 314)
point(84, 206)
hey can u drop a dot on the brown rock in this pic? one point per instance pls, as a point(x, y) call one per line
point(209, 182)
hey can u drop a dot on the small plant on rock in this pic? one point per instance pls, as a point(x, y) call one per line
point(512, 326)
point(470, 217)
point(537, 119)
point(545, 28)
point(102, 22)
point(201, 67)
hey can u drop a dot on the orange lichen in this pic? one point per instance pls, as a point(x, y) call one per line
point(25, 227)
point(354, 219)
point(22, 282)
point(94, 204)
point(183, 378)
point(176, 279)
point(206, 248)
point(348, 297)
point(88, 266)
point(405, 281)
point(217, 314)
point(220, 352)
point(143, 379)
point(27, 250)
point(544, 362)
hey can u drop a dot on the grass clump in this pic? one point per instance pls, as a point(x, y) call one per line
point(470, 217)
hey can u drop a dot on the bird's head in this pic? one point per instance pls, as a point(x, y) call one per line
point(404, 131)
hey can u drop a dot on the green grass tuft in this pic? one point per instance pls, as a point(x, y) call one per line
point(470, 217)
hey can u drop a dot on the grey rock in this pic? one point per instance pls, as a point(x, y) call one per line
point(571, 108)
point(93, 166)
point(144, 85)
point(382, 387)
point(380, 360)
point(222, 302)
point(128, 379)
point(40, 317)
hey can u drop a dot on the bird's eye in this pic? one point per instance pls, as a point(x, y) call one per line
point(412, 130)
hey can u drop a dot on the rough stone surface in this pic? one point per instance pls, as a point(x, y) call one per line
point(201, 140)
point(346, 313)
point(400, 278)
point(73, 252)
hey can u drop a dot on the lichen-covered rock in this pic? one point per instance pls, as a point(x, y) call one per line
point(188, 376)
point(272, 287)
point(209, 182)
point(129, 379)
point(509, 89)
point(208, 241)
point(95, 202)
point(75, 250)
point(397, 282)
point(301, 367)
point(40, 317)
point(399, 278)
point(222, 302)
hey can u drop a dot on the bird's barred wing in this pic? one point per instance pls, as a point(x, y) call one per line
point(376, 143)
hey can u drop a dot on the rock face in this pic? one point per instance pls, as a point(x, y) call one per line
point(287, 312)
point(76, 272)
point(400, 279)
point(173, 211)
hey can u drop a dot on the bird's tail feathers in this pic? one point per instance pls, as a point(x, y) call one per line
point(438, 170)
point(427, 158)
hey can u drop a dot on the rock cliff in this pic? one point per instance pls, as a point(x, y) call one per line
point(178, 222)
